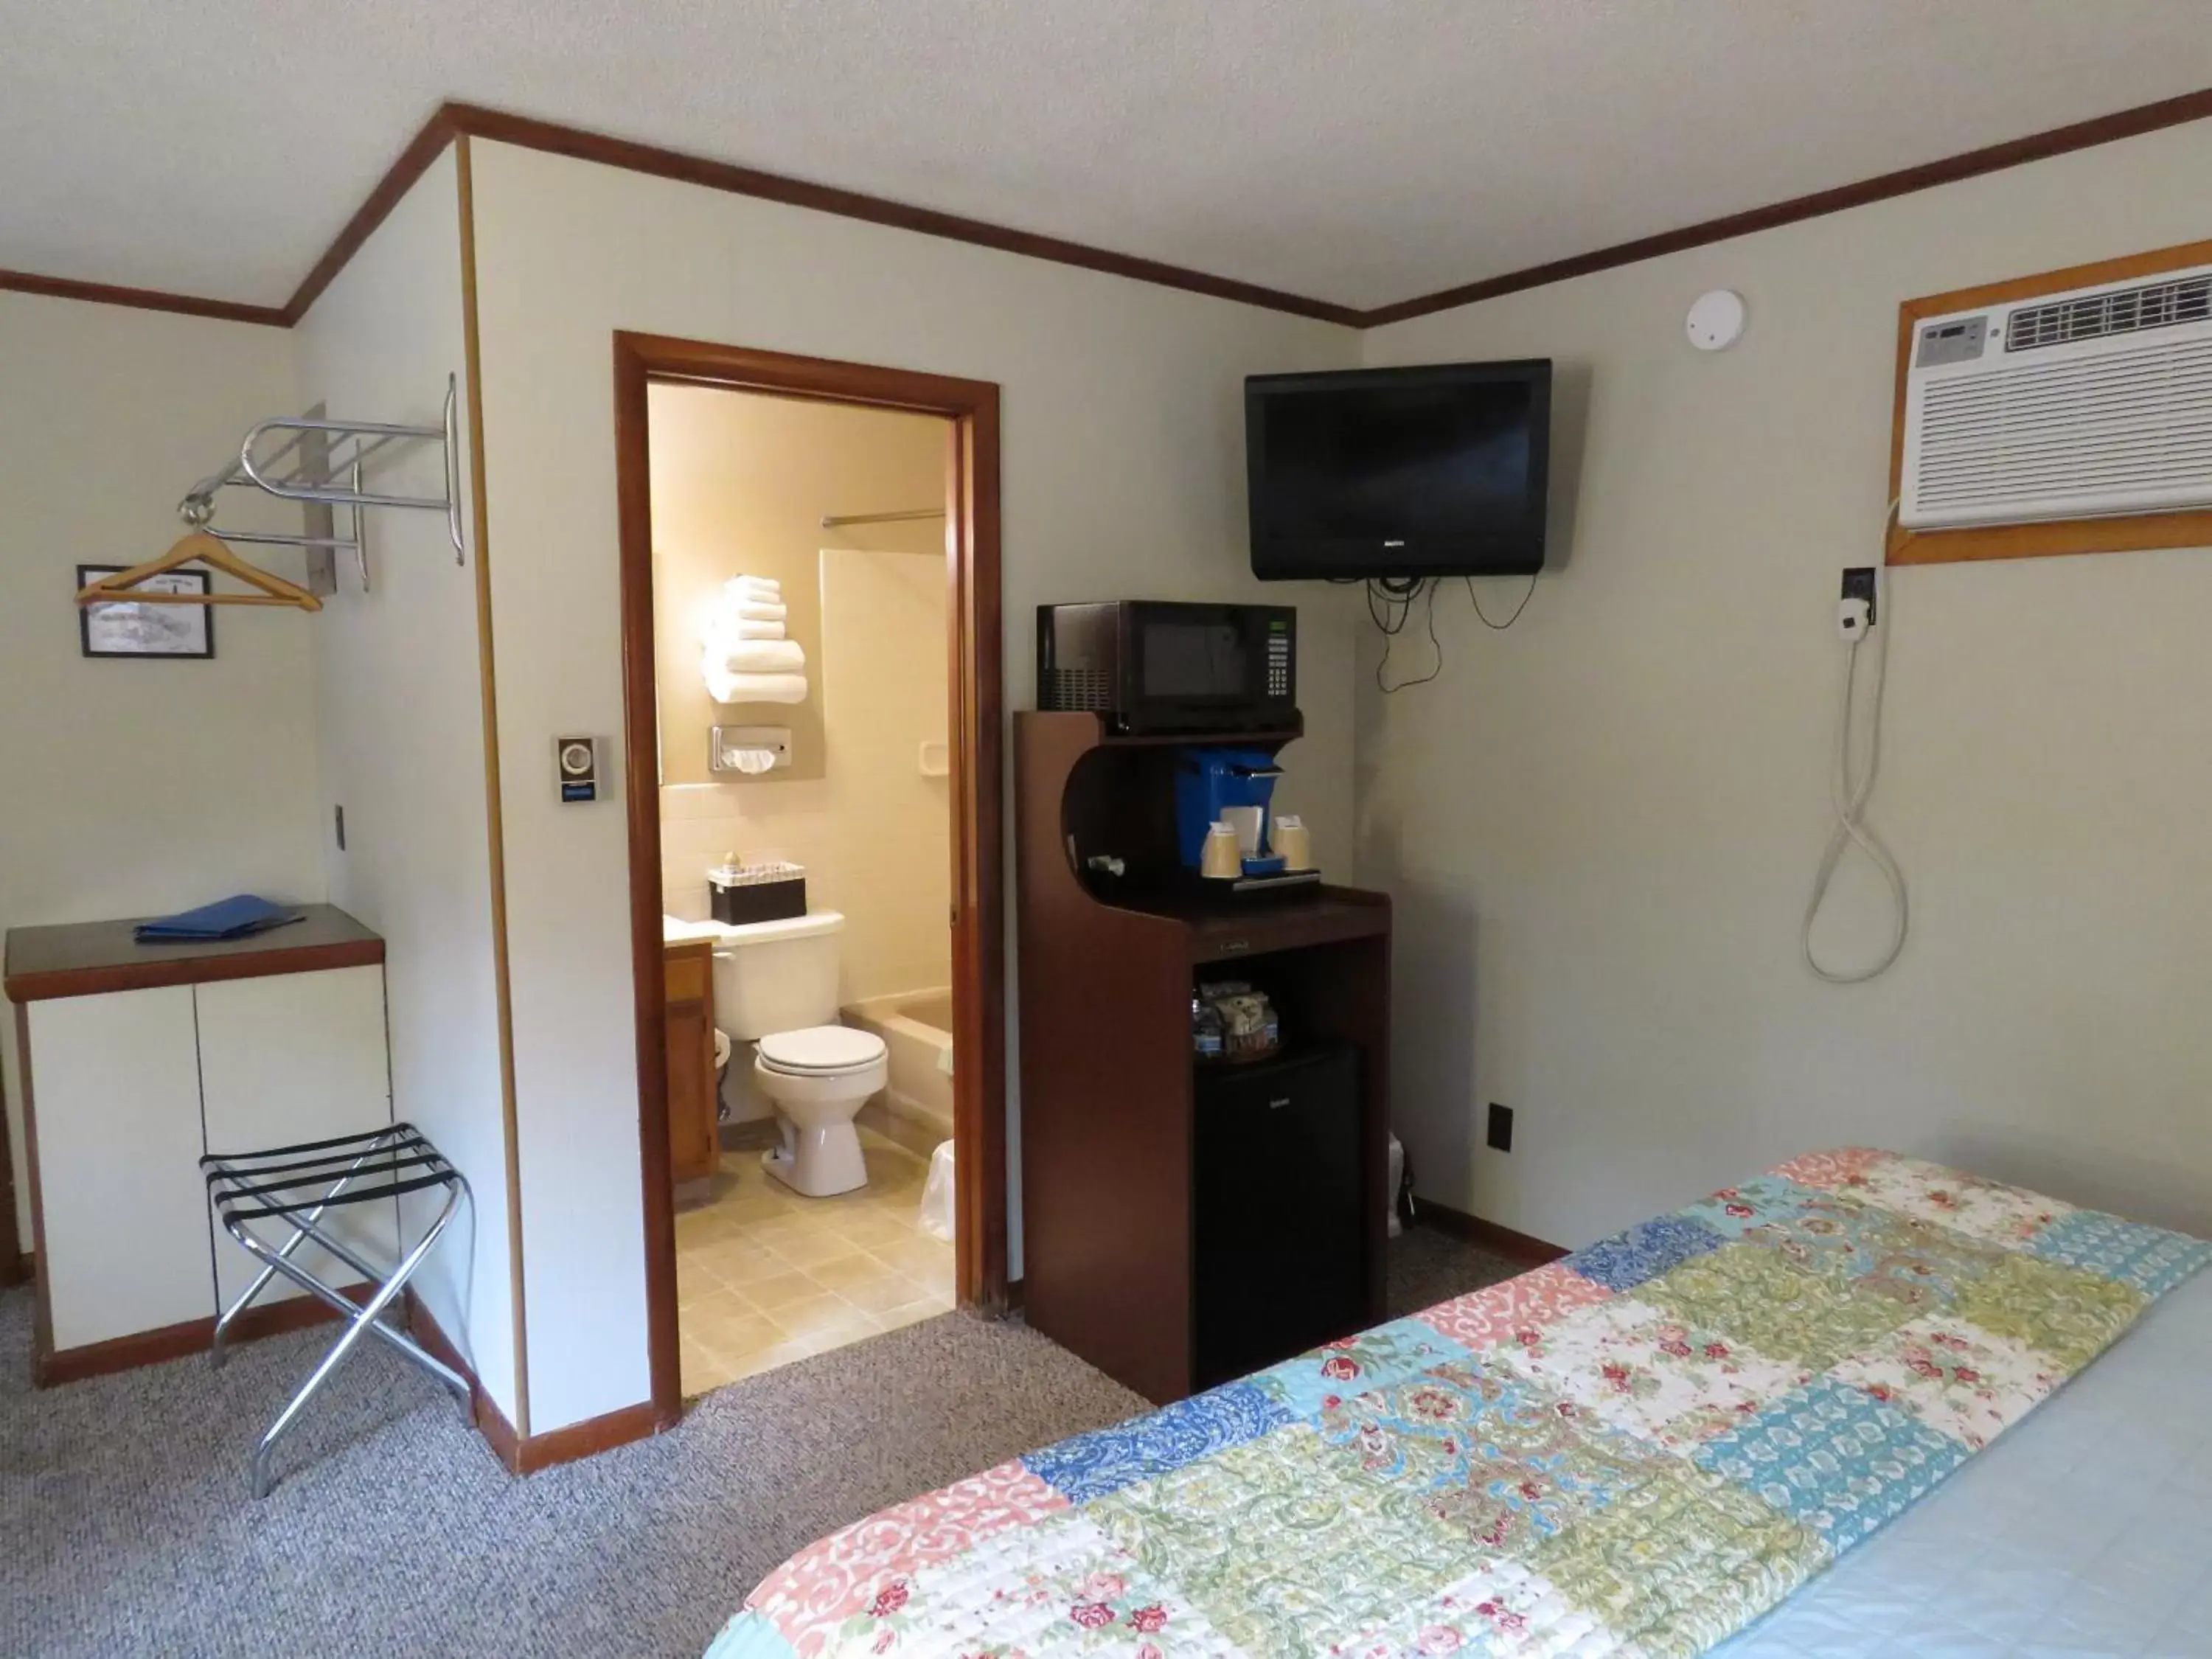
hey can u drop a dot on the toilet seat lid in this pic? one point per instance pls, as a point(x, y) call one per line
point(820, 1048)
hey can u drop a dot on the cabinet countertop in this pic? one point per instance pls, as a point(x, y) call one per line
point(84, 958)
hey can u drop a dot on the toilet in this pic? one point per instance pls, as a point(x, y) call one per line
point(775, 986)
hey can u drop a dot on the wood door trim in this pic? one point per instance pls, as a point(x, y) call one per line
point(641, 798)
point(977, 788)
point(2134, 533)
point(495, 806)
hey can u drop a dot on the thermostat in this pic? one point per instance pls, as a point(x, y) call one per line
point(576, 765)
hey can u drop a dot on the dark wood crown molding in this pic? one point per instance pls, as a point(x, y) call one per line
point(425, 146)
point(142, 299)
point(453, 120)
point(529, 133)
point(1991, 158)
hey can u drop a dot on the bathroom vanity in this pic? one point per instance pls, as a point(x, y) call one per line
point(695, 1147)
point(139, 1058)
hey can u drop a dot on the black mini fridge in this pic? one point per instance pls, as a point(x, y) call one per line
point(1276, 1210)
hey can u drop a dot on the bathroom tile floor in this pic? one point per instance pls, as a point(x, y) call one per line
point(764, 1276)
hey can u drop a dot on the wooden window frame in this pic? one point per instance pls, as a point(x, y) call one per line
point(2050, 536)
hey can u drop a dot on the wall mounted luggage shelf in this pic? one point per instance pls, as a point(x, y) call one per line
point(303, 466)
point(300, 468)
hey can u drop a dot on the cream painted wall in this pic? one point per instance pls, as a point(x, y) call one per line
point(740, 485)
point(1123, 475)
point(742, 482)
point(135, 787)
point(1600, 826)
point(400, 726)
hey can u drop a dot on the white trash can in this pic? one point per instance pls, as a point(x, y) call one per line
point(936, 1217)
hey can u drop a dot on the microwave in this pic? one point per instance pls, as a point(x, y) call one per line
point(1157, 665)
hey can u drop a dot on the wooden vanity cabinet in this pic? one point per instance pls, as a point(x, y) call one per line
point(694, 1134)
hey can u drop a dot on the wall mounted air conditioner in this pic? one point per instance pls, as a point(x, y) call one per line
point(2091, 404)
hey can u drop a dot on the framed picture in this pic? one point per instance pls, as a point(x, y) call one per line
point(124, 629)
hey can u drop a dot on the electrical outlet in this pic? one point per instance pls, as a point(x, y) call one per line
point(1501, 1128)
point(1858, 584)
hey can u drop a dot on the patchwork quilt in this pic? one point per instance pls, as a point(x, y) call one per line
point(1635, 1451)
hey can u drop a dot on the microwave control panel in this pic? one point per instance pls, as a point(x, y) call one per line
point(1278, 659)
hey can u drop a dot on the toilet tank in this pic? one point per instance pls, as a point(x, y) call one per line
point(777, 975)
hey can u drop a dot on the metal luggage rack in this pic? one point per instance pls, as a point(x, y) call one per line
point(305, 467)
point(295, 1186)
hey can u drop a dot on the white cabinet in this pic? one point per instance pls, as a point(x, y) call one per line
point(290, 1058)
point(123, 1211)
point(138, 1061)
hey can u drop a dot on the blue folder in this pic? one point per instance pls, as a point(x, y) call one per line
point(237, 917)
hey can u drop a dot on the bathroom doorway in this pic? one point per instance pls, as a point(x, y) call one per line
point(810, 642)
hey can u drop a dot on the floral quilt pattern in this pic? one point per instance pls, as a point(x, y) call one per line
point(1499, 1313)
point(1630, 1454)
point(1636, 1369)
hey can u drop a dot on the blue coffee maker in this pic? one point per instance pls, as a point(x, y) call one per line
point(1236, 785)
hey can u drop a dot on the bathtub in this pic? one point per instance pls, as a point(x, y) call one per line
point(916, 1107)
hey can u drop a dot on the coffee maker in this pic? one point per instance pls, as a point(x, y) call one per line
point(1235, 787)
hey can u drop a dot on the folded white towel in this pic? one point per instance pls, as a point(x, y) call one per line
point(762, 611)
point(756, 688)
point(719, 629)
point(764, 587)
point(758, 656)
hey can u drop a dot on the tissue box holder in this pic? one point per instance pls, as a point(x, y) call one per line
point(775, 900)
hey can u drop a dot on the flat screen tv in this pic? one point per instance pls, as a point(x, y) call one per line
point(1437, 471)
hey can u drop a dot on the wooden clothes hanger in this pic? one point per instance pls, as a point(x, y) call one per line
point(210, 550)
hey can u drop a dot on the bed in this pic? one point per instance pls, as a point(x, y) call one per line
point(1645, 1448)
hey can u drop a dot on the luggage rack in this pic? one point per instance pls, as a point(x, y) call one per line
point(295, 1186)
point(306, 465)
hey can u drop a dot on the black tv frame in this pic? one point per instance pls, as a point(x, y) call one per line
point(1354, 559)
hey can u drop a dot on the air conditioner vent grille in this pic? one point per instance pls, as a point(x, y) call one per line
point(2127, 311)
point(2126, 430)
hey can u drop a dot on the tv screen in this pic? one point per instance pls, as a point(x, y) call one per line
point(1439, 470)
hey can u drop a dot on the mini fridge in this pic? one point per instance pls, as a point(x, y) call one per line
point(1275, 1209)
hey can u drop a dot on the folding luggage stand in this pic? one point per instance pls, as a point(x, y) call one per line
point(295, 1185)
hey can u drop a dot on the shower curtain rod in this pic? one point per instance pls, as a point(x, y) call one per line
point(839, 520)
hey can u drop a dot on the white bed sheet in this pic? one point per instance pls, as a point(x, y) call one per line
point(2087, 1529)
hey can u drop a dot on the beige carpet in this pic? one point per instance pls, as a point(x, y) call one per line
point(125, 1528)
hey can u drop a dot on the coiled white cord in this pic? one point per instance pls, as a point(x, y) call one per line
point(1850, 798)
